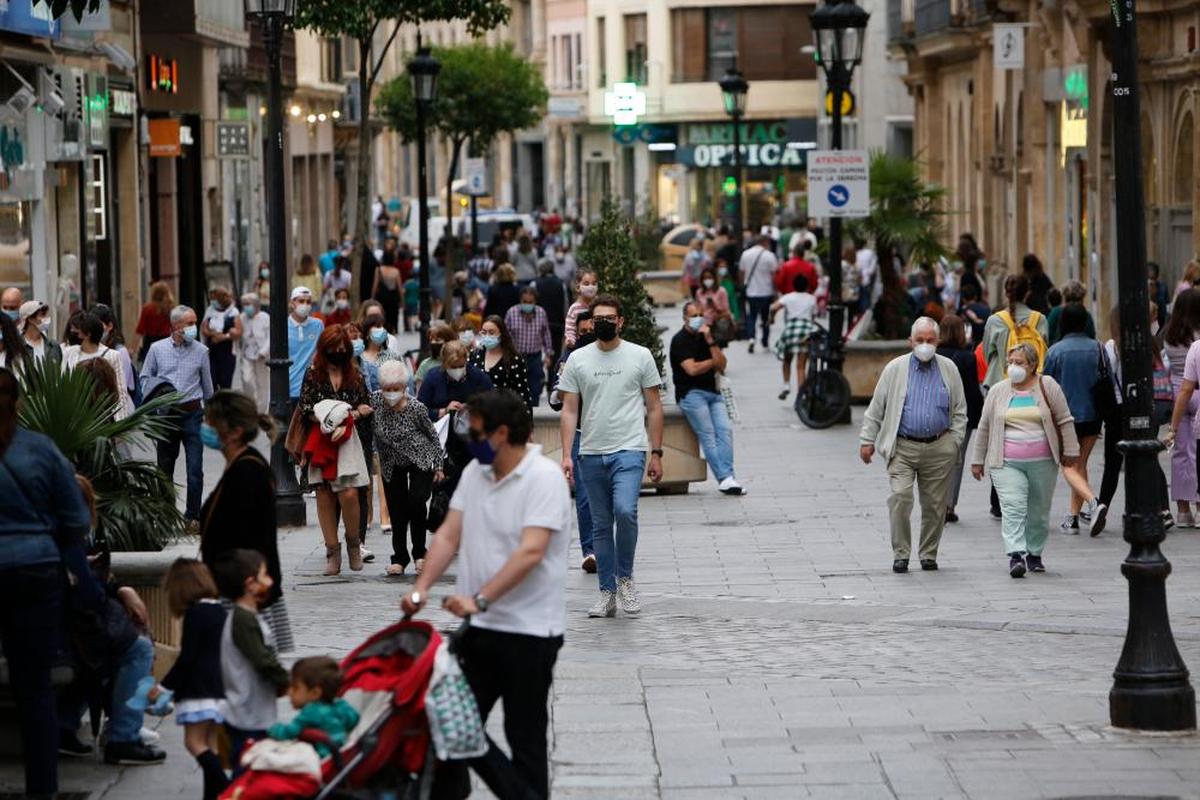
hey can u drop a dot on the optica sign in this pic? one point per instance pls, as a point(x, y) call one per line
point(770, 154)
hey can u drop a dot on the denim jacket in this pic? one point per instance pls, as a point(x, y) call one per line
point(1074, 362)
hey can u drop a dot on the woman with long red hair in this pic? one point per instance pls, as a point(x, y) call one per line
point(334, 375)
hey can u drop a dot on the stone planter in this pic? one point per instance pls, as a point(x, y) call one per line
point(682, 462)
point(144, 572)
point(865, 359)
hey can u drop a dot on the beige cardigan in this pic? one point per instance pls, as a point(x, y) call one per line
point(1056, 420)
point(882, 418)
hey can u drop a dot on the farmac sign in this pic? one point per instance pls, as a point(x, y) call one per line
point(779, 143)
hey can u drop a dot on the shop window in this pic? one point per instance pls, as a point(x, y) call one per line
point(331, 61)
point(635, 48)
point(765, 40)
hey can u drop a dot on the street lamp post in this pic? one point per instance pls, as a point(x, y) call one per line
point(734, 89)
point(424, 71)
point(838, 27)
point(1151, 690)
point(274, 16)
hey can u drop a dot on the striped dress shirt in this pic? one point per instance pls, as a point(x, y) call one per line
point(927, 405)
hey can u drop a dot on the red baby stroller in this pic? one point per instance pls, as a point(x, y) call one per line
point(388, 754)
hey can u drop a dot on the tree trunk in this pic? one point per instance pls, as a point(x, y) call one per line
point(362, 221)
point(451, 239)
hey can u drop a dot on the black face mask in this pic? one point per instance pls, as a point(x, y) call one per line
point(339, 358)
point(606, 330)
point(584, 340)
point(435, 349)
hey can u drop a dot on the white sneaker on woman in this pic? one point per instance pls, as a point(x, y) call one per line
point(627, 596)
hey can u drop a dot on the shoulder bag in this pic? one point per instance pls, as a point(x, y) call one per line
point(1103, 397)
point(1053, 421)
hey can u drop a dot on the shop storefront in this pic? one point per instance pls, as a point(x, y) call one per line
point(773, 159)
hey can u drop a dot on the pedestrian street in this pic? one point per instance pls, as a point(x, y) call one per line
point(778, 656)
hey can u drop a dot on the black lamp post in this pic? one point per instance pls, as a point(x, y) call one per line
point(838, 27)
point(733, 91)
point(274, 16)
point(424, 71)
point(1150, 689)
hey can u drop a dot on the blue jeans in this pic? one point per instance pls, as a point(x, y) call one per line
point(583, 511)
point(760, 308)
point(537, 376)
point(188, 434)
point(125, 724)
point(706, 413)
point(613, 481)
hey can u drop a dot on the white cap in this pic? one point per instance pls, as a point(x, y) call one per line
point(31, 307)
point(301, 291)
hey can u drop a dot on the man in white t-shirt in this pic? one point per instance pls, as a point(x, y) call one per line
point(508, 523)
point(617, 383)
point(757, 267)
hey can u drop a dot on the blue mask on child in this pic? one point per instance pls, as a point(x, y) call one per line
point(209, 436)
point(379, 335)
point(358, 346)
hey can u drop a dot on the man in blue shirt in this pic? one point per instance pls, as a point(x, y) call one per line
point(917, 420)
point(182, 362)
point(325, 260)
point(303, 332)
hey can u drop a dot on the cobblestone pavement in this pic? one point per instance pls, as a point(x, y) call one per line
point(779, 657)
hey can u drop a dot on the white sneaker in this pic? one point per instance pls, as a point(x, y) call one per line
point(1185, 520)
point(627, 596)
point(730, 486)
point(367, 556)
point(606, 606)
point(1088, 509)
point(1070, 524)
point(149, 737)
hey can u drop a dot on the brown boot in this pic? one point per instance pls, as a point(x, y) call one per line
point(333, 560)
point(354, 553)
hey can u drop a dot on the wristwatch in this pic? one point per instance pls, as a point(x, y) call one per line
point(657, 452)
point(481, 603)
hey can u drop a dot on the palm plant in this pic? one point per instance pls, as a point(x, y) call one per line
point(907, 213)
point(135, 501)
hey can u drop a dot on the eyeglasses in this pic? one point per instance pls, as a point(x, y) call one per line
point(604, 318)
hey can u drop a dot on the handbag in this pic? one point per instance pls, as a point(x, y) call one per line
point(1053, 421)
point(297, 435)
point(1103, 397)
point(725, 389)
point(455, 724)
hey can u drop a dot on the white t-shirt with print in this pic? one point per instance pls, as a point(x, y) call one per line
point(610, 384)
point(495, 515)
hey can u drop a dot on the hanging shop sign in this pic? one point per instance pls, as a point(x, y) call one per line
point(624, 103)
point(233, 140)
point(122, 102)
point(164, 138)
point(30, 18)
point(1008, 46)
point(162, 74)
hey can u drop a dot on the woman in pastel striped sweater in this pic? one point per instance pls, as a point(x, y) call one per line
point(1025, 432)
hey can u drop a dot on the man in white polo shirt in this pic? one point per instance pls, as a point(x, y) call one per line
point(508, 523)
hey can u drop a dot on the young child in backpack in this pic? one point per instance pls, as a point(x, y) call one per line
point(314, 688)
point(196, 677)
point(251, 673)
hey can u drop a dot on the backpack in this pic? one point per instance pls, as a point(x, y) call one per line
point(1024, 333)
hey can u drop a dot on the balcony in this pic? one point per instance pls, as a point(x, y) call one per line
point(900, 14)
point(932, 16)
point(220, 22)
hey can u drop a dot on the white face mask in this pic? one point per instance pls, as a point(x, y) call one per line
point(1017, 373)
point(391, 398)
point(457, 373)
point(43, 327)
point(302, 310)
point(924, 351)
point(588, 290)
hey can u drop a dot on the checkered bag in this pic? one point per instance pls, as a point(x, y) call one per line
point(725, 387)
point(455, 725)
